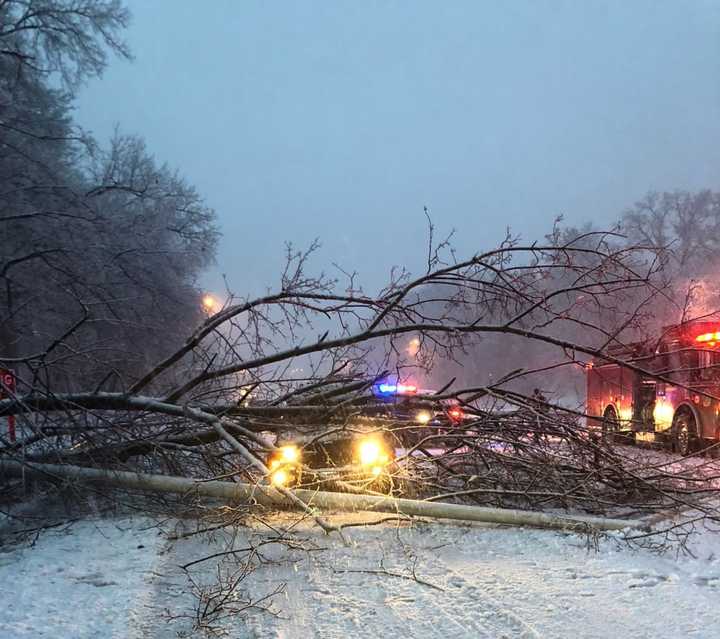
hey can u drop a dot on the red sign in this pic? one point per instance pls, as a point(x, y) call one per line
point(7, 388)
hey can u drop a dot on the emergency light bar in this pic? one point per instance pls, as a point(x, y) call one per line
point(710, 338)
point(395, 389)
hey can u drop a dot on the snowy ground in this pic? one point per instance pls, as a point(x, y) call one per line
point(77, 581)
point(120, 578)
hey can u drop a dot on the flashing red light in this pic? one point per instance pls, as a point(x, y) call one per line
point(406, 389)
point(709, 338)
point(456, 414)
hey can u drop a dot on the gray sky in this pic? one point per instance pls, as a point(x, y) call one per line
point(341, 120)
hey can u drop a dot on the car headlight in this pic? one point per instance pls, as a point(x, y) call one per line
point(290, 453)
point(284, 465)
point(284, 455)
point(423, 417)
point(372, 452)
point(279, 478)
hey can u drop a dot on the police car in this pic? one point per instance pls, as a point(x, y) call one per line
point(396, 416)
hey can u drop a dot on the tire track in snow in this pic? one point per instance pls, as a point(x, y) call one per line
point(329, 602)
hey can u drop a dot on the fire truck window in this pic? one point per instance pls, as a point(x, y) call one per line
point(709, 362)
point(705, 359)
point(690, 363)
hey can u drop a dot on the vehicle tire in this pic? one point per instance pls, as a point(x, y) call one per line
point(714, 446)
point(610, 425)
point(684, 433)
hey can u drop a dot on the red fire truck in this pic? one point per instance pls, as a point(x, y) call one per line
point(678, 410)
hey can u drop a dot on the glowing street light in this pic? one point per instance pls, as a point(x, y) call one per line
point(210, 304)
point(413, 347)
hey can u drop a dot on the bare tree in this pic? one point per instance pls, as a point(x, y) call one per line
point(69, 38)
point(687, 224)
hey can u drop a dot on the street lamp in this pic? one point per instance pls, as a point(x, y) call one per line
point(413, 347)
point(210, 304)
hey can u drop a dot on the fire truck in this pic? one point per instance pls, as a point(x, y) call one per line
point(672, 402)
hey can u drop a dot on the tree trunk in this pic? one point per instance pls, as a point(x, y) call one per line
point(268, 496)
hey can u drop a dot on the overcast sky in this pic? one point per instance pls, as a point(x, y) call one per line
point(341, 120)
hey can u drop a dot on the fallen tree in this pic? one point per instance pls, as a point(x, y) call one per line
point(269, 496)
point(302, 361)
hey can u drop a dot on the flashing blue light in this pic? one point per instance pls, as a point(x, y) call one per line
point(386, 389)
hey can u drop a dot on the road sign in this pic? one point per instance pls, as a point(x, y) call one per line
point(7, 389)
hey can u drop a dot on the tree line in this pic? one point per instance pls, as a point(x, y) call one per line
point(101, 245)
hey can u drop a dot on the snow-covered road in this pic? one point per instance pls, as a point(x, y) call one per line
point(495, 583)
point(118, 578)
